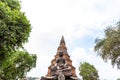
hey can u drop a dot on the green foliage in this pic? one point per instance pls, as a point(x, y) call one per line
point(14, 26)
point(88, 72)
point(14, 32)
point(109, 46)
point(17, 65)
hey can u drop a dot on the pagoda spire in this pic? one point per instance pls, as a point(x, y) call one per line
point(62, 47)
point(62, 42)
point(61, 64)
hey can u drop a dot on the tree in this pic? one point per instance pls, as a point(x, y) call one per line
point(14, 27)
point(14, 32)
point(88, 72)
point(109, 46)
point(18, 64)
point(118, 79)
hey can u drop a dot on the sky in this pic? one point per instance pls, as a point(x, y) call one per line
point(80, 22)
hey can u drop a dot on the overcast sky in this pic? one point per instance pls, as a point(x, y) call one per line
point(80, 22)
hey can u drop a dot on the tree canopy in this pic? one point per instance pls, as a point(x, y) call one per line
point(14, 32)
point(17, 65)
point(109, 47)
point(88, 72)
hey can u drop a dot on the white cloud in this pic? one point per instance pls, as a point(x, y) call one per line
point(74, 19)
point(61, 17)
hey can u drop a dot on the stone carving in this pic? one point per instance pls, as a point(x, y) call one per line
point(61, 67)
point(61, 76)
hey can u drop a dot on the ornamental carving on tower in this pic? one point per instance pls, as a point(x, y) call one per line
point(61, 67)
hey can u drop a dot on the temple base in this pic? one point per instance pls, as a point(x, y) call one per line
point(56, 78)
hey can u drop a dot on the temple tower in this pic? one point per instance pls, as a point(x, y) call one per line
point(62, 48)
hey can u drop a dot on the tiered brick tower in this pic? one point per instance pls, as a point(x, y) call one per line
point(62, 48)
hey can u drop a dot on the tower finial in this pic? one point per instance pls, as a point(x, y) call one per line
point(62, 41)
